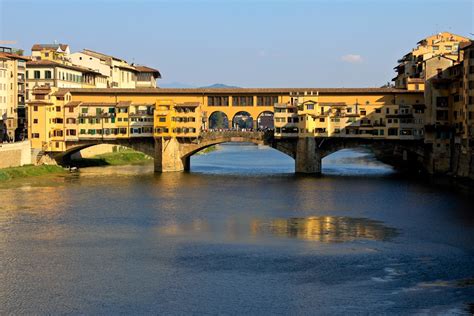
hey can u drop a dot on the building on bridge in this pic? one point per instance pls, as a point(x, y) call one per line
point(64, 120)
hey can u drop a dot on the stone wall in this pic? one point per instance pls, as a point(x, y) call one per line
point(15, 154)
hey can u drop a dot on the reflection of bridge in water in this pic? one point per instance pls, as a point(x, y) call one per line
point(325, 229)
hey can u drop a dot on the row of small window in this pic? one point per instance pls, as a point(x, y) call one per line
point(183, 119)
point(184, 109)
point(241, 100)
point(99, 121)
point(4, 86)
point(286, 119)
point(115, 131)
point(374, 132)
point(49, 75)
point(165, 130)
point(280, 110)
point(99, 111)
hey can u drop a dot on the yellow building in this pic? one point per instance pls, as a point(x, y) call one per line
point(412, 69)
point(71, 115)
point(51, 52)
point(12, 95)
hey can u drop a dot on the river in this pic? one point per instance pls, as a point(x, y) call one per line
point(239, 234)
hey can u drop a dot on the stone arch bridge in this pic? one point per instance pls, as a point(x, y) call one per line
point(173, 154)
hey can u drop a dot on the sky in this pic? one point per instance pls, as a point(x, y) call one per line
point(258, 43)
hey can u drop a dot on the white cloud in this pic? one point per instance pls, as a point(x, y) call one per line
point(351, 58)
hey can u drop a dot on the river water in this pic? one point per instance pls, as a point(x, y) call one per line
point(239, 234)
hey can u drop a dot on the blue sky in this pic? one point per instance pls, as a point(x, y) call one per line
point(261, 43)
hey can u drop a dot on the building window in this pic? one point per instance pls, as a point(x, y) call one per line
point(35, 108)
point(310, 106)
point(442, 102)
point(266, 100)
point(242, 101)
point(35, 121)
point(217, 101)
point(47, 74)
point(37, 74)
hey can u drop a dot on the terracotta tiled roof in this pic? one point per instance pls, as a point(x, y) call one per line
point(124, 103)
point(13, 56)
point(60, 93)
point(73, 103)
point(39, 47)
point(97, 104)
point(146, 69)
point(41, 90)
point(465, 45)
point(39, 102)
point(229, 91)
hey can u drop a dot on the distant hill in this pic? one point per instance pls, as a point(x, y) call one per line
point(219, 86)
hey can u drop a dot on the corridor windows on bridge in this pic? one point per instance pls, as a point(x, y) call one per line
point(218, 101)
point(242, 101)
point(218, 120)
point(265, 121)
point(267, 100)
point(242, 120)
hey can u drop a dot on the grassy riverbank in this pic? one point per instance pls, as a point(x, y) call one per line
point(207, 150)
point(125, 157)
point(28, 171)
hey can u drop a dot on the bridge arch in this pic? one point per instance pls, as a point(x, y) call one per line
point(143, 145)
point(396, 153)
point(243, 120)
point(218, 120)
point(265, 120)
point(215, 138)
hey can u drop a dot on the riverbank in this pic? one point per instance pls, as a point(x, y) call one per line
point(125, 157)
point(28, 171)
point(209, 149)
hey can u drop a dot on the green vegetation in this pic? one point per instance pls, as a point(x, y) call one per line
point(28, 171)
point(207, 150)
point(123, 157)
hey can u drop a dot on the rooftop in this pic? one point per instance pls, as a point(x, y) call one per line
point(224, 91)
point(50, 63)
point(39, 47)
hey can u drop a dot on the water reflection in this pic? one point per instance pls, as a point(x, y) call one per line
point(325, 229)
